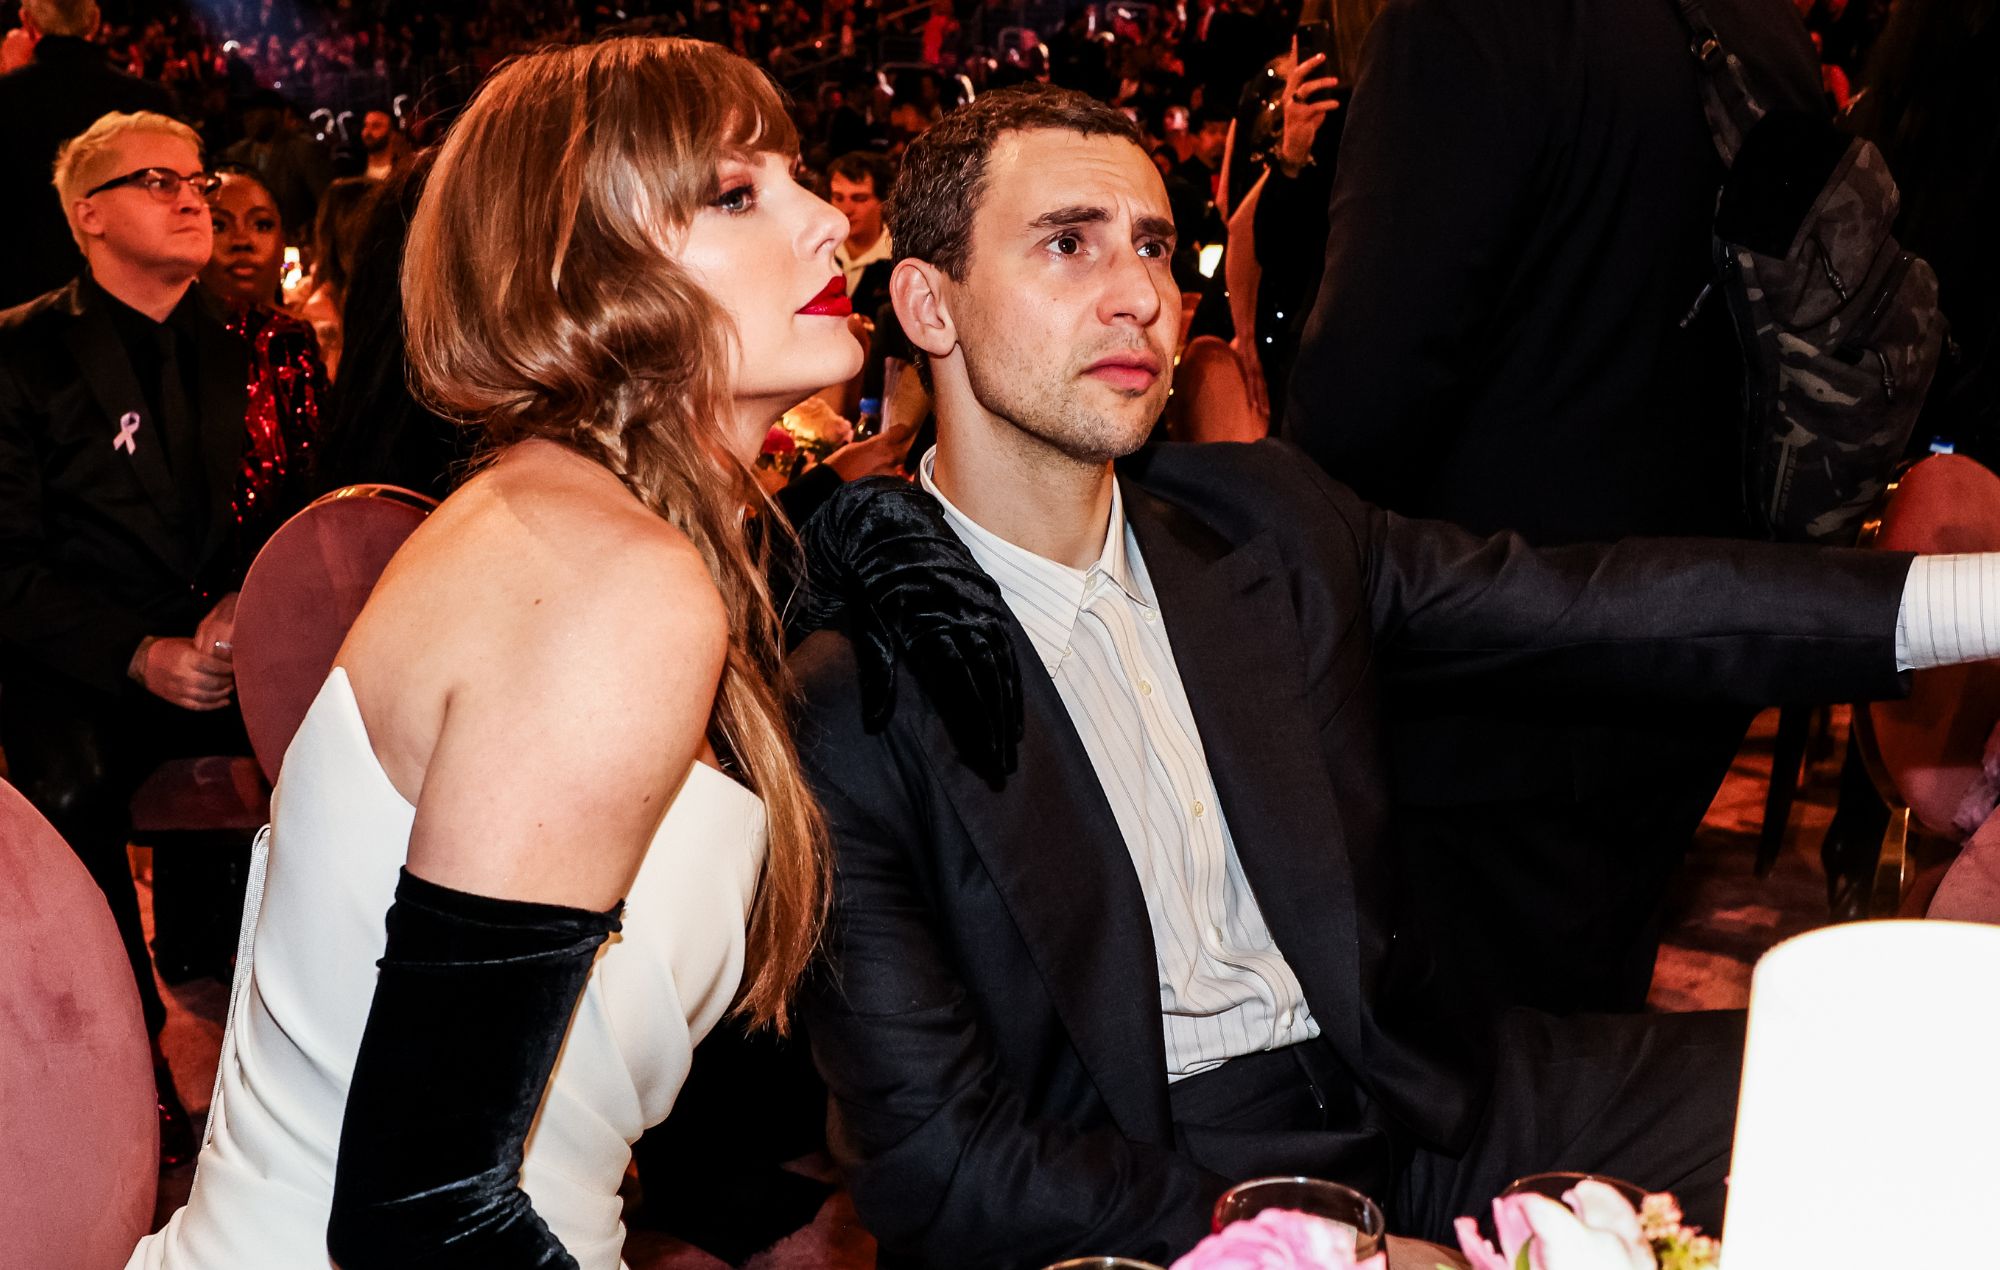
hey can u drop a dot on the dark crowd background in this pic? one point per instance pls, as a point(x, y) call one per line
point(284, 86)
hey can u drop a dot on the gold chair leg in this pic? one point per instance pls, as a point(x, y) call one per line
point(1892, 867)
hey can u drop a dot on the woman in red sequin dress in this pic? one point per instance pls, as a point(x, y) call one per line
point(287, 381)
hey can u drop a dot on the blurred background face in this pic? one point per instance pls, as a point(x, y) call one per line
point(858, 202)
point(249, 243)
point(375, 129)
point(1209, 142)
point(1068, 312)
point(140, 228)
point(763, 251)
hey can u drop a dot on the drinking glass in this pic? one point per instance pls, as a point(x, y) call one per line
point(1330, 1200)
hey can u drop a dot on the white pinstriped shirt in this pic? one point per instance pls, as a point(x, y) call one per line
point(1225, 989)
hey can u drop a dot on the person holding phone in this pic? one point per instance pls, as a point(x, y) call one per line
point(1308, 95)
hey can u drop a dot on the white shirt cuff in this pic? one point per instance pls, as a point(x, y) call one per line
point(1950, 612)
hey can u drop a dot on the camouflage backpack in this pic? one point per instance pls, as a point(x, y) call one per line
point(1839, 326)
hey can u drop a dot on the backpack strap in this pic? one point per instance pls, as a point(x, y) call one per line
point(1726, 97)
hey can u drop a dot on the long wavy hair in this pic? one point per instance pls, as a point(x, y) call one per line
point(542, 299)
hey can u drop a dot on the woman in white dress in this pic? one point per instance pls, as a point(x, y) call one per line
point(566, 692)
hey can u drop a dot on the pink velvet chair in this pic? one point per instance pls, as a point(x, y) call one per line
point(302, 594)
point(79, 1136)
point(1925, 752)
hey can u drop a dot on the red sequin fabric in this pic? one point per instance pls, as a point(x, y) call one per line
point(281, 424)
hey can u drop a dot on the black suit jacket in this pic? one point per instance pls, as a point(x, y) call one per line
point(43, 104)
point(1520, 223)
point(93, 556)
point(988, 1018)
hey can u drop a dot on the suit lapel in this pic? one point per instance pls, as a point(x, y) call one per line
point(1237, 646)
point(94, 343)
point(1053, 850)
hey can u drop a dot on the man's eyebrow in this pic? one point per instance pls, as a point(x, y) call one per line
point(1155, 226)
point(1063, 217)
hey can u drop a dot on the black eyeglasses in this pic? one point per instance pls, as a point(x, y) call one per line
point(163, 183)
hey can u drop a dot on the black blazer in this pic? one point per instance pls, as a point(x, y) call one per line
point(64, 90)
point(91, 560)
point(988, 1019)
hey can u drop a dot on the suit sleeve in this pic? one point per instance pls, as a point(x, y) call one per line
point(1703, 619)
point(1435, 162)
point(945, 1162)
point(58, 620)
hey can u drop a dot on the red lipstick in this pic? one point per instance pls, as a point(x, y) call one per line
point(831, 301)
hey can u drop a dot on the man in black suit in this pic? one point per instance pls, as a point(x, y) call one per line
point(121, 429)
point(1520, 235)
point(43, 104)
point(1070, 999)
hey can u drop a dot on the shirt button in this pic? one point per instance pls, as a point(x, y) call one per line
point(1285, 1019)
point(1215, 936)
point(1145, 687)
point(1147, 615)
point(1200, 809)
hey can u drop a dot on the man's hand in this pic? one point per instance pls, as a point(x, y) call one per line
point(1303, 115)
point(879, 455)
point(216, 635)
point(179, 672)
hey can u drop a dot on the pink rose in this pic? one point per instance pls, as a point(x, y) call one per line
point(1598, 1231)
point(1278, 1239)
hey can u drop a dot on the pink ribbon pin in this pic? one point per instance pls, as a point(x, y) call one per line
point(128, 431)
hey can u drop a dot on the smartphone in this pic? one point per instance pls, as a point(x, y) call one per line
point(1317, 38)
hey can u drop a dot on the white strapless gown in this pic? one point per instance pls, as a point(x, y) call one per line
point(322, 880)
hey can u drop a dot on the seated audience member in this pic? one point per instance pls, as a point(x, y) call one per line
point(388, 150)
point(287, 382)
point(121, 438)
point(1077, 989)
point(857, 185)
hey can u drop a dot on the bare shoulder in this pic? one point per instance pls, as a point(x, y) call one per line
point(540, 606)
point(543, 549)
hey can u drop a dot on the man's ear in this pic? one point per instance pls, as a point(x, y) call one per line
point(88, 220)
point(917, 288)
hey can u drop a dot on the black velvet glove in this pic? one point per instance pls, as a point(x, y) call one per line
point(884, 565)
point(474, 999)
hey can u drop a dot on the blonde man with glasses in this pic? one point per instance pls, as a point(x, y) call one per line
point(121, 424)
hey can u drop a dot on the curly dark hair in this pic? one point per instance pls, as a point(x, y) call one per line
point(943, 176)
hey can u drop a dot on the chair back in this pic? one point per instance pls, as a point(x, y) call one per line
point(1930, 744)
point(79, 1135)
point(302, 593)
